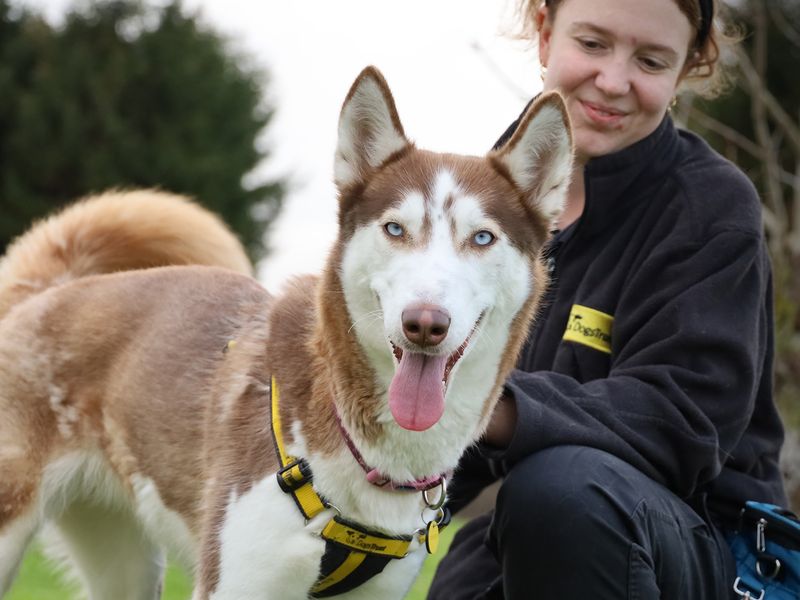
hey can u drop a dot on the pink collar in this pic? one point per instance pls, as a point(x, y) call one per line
point(378, 479)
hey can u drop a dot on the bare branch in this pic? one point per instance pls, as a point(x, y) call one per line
point(783, 24)
point(742, 142)
point(794, 236)
point(773, 195)
point(728, 133)
point(759, 91)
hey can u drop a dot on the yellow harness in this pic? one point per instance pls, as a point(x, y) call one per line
point(353, 554)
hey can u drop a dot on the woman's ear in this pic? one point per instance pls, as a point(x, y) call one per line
point(544, 26)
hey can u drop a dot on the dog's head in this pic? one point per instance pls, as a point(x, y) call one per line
point(439, 258)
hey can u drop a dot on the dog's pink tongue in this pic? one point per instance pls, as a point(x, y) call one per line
point(416, 398)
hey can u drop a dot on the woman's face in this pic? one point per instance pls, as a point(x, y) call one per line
point(617, 63)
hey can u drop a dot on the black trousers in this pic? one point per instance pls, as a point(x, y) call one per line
point(573, 523)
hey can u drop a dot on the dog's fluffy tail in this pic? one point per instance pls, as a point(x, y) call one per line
point(116, 231)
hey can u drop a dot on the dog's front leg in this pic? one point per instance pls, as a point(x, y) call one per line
point(263, 550)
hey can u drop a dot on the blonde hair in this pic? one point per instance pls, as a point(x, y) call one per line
point(707, 73)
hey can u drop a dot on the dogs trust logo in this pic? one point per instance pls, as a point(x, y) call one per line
point(589, 327)
point(356, 539)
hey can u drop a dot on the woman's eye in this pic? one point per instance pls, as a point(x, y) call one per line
point(394, 229)
point(589, 44)
point(652, 64)
point(483, 238)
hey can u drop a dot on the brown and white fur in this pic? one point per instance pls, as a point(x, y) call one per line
point(131, 427)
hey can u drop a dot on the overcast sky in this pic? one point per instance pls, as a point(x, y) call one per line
point(457, 81)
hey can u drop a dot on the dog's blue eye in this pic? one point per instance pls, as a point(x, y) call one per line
point(394, 229)
point(483, 238)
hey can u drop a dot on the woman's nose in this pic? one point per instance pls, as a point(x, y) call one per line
point(613, 78)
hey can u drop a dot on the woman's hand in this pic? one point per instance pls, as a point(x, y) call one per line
point(502, 424)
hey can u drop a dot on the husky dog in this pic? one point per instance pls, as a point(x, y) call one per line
point(147, 409)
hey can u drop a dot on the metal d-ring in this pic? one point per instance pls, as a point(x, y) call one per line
point(774, 569)
point(442, 496)
point(438, 517)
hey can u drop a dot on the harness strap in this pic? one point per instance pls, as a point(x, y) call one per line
point(346, 570)
point(353, 554)
point(294, 477)
point(355, 537)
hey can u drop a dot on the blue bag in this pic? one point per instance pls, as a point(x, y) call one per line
point(767, 552)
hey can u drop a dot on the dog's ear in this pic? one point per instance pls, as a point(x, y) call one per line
point(369, 129)
point(539, 155)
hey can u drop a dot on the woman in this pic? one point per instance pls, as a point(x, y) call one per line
point(641, 416)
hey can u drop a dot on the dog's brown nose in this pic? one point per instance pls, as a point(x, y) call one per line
point(425, 324)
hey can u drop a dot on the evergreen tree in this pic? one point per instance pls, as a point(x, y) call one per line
point(128, 96)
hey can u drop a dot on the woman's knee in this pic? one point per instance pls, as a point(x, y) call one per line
point(553, 478)
point(568, 509)
point(557, 490)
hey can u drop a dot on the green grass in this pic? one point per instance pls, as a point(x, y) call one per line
point(420, 588)
point(37, 580)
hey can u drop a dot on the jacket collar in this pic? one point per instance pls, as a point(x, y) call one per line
point(615, 182)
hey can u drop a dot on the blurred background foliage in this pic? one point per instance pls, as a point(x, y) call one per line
point(128, 95)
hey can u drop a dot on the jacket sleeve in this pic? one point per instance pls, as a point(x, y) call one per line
point(473, 474)
point(688, 345)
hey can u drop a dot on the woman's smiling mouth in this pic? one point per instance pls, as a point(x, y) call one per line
point(602, 115)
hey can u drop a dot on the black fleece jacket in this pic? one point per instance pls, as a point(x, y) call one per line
point(676, 375)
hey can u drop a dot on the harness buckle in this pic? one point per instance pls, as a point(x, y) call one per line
point(745, 592)
point(294, 475)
